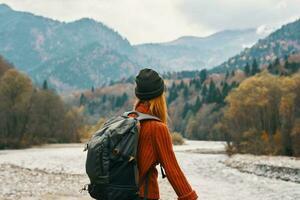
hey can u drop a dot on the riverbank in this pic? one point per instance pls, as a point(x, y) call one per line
point(279, 167)
point(57, 172)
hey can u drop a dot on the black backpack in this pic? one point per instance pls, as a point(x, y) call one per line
point(111, 159)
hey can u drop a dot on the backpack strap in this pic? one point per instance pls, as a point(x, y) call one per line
point(141, 116)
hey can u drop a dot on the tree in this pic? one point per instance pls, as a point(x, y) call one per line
point(197, 105)
point(45, 85)
point(255, 67)
point(51, 121)
point(203, 75)
point(181, 85)
point(15, 96)
point(247, 69)
point(227, 75)
point(233, 73)
point(263, 113)
point(185, 92)
point(225, 89)
point(186, 108)
point(204, 91)
point(82, 100)
point(173, 94)
point(211, 95)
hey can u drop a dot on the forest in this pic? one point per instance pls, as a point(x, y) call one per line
point(256, 109)
point(31, 115)
point(205, 106)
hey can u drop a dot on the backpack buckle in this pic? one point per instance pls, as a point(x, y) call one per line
point(131, 158)
point(116, 152)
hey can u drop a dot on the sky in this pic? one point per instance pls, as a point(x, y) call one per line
point(145, 21)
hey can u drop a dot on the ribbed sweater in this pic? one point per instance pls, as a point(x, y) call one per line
point(155, 146)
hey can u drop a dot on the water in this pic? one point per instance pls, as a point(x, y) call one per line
point(57, 172)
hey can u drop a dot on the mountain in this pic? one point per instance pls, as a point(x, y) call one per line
point(194, 53)
point(86, 53)
point(279, 44)
point(68, 54)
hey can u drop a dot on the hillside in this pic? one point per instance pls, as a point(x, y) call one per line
point(86, 53)
point(58, 51)
point(279, 44)
point(196, 100)
point(194, 53)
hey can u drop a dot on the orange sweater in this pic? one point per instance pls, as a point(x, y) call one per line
point(155, 146)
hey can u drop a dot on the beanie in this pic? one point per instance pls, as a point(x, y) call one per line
point(148, 84)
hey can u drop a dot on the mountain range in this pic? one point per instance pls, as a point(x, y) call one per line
point(194, 53)
point(280, 44)
point(86, 53)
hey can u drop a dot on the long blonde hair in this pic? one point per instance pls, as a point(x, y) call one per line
point(157, 107)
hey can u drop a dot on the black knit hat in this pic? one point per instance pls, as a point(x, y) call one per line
point(148, 84)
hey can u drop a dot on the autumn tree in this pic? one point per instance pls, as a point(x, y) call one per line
point(262, 115)
point(15, 101)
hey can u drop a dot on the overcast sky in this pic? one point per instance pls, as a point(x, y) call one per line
point(143, 21)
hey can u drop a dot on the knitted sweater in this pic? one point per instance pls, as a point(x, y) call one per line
point(155, 146)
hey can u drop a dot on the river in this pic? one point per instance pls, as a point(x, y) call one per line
point(57, 172)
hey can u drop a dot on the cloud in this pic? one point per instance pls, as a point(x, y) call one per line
point(164, 20)
point(138, 20)
point(236, 14)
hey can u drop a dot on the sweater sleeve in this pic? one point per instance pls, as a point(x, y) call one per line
point(166, 157)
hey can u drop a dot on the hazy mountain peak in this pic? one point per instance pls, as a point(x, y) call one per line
point(85, 20)
point(4, 8)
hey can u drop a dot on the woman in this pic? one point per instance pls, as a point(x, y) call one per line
point(155, 145)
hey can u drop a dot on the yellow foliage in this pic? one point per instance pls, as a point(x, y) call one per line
point(87, 131)
point(277, 138)
point(260, 104)
point(265, 137)
point(177, 139)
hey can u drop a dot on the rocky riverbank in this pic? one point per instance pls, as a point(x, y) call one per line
point(279, 167)
point(57, 172)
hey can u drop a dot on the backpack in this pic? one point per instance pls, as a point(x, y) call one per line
point(111, 159)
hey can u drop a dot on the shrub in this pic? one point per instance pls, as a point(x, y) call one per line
point(177, 139)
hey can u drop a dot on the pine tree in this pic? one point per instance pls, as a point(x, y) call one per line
point(232, 73)
point(227, 75)
point(186, 109)
point(211, 96)
point(218, 96)
point(270, 68)
point(225, 90)
point(203, 75)
point(185, 92)
point(255, 68)
point(197, 105)
point(181, 85)
point(104, 98)
point(247, 69)
point(172, 94)
point(45, 85)
point(82, 100)
point(204, 90)
point(198, 84)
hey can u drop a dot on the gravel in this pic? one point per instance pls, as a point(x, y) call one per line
point(57, 172)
